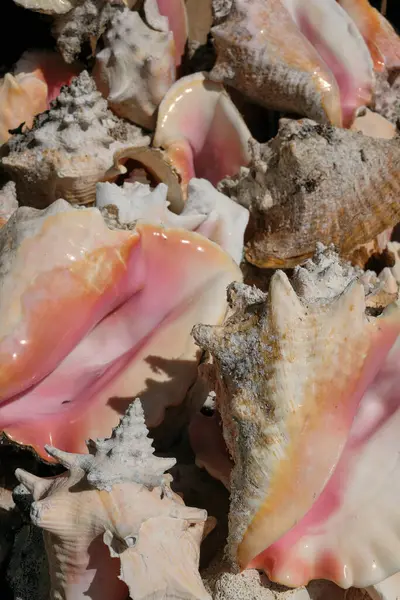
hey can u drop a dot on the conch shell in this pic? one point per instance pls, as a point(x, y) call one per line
point(206, 211)
point(382, 40)
point(169, 15)
point(306, 58)
point(117, 496)
point(310, 416)
point(307, 186)
point(69, 149)
point(136, 68)
point(128, 300)
point(201, 130)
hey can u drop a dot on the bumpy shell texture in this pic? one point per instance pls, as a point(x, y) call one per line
point(306, 58)
point(70, 148)
point(297, 389)
point(117, 496)
point(136, 68)
point(316, 183)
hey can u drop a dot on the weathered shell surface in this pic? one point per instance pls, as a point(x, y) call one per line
point(70, 148)
point(117, 496)
point(316, 183)
point(48, 7)
point(291, 376)
point(265, 50)
point(136, 68)
point(8, 202)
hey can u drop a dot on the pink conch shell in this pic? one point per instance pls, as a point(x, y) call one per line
point(8, 202)
point(117, 496)
point(50, 68)
point(307, 58)
point(36, 81)
point(128, 301)
point(69, 149)
point(382, 40)
point(21, 98)
point(136, 68)
point(201, 130)
point(309, 412)
point(206, 211)
point(169, 15)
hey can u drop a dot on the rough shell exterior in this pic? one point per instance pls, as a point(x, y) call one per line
point(136, 68)
point(267, 355)
point(117, 496)
point(316, 183)
point(70, 148)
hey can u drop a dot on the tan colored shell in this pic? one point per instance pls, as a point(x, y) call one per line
point(21, 98)
point(280, 359)
point(157, 164)
point(315, 183)
point(117, 496)
point(136, 68)
point(70, 148)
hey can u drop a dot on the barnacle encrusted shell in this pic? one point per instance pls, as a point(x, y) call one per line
point(21, 98)
point(305, 58)
point(292, 374)
point(117, 496)
point(70, 148)
point(136, 68)
point(48, 7)
point(142, 290)
point(316, 183)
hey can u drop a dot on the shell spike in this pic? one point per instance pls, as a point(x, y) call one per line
point(69, 460)
point(35, 485)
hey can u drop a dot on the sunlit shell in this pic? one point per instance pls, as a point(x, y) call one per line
point(316, 183)
point(169, 15)
point(128, 301)
point(48, 7)
point(292, 375)
point(201, 130)
point(383, 42)
point(70, 148)
point(206, 211)
point(306, 58)
point(117, 496)
point(136, 68)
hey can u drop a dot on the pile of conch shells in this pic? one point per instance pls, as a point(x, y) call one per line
point(200, 302)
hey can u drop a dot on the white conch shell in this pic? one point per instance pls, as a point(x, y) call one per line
point(69, 149)
point(136, 68)
point(206, 211)
point(49, 7)
point(117, 495)
point(8, 201)
point(292, 374)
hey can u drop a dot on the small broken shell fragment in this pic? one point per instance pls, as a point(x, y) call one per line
point(292, 376)
point(374, 125)
point(8, 201)
point(156, 164)
point(136, 68)
point(206, 211)
point(117, 496)
point(305, 58)
point(201, 130)
point(307, 185)
point(69, 149)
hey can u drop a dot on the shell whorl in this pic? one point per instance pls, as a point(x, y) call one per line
point(127, 456)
